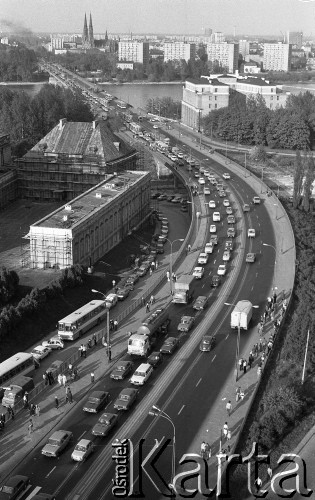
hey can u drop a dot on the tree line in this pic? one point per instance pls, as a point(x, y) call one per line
point(17, 64)
point(249, 121)
point(164, 106)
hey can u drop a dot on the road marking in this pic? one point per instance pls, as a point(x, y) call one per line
point(81, 435)
point(34, 492)
point(227, 336)
point(52, 470)
point(213, 358)
point(181, 409)
point(198, 382)
point(202, 286)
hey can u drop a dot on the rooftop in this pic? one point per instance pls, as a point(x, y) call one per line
point(206, 81)
point(260, 82)
point(67, 216)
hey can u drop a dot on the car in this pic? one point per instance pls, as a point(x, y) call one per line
point(207, 343)
point(198, 272)
point(54, 343)
point(122, 293)
point(122, 369)
point(160, 215)
point(176, 199)
point(170, 345)
point(82, 450)
point(212, 180)
point(40, 352)
point(229, 245)
point(214, 239)
point(164, 220)
point(246, 207)
point(231, 232)
point(213, 228)
point(229, 210)
point(96, 401)
point(162, 197)
point(155, 359)
point(226, 176)
point(206, 190)
point(170, 197)
point(132, 279)
point(203, 258)
point(222, 194)
point(164, 231)
point(197, 175)
point(111, 300)
point(143, 269)
point(13, 486)
point(219, 186)
point(191, 161)
point(201, 181)
point(226, 255)
point(57, 443)
point(200, 303)
point(180, 155)
point(221, 270)
point(215, 281)
point(155, 126)
point(216, 217)
point(155, 195)
point(226, 202)
point(212, 204)
point(126, 399)
point(173, 157)
point(142, 373)
point(105, 424)
point(256, 200)
point(186, 323)
point(231, 219)
point(251, 233)
point(209, 247)
point(250, 257)
point(160, 248)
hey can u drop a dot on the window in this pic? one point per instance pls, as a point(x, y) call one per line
point(215, 106)
point(216, 90)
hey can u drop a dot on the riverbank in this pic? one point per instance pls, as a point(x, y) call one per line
point(23, 83)
point(138, 82)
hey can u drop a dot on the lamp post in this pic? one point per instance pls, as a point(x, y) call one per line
point(268, 245)
point(276, 205)
point(157, 412)
point(262, 178)
point(245, 173)
point(107, 322)
point(171, 260)
point(237, 352)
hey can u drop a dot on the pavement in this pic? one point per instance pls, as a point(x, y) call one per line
point(16, 442)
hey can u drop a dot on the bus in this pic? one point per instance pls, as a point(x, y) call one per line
point(80, 321)
point(22, 363)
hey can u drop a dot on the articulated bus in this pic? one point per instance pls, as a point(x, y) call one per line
point(80, 321)
point(22, 363)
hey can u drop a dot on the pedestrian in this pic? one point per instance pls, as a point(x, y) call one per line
point(142, 301)
point(259, 370)
point(168, 275)
point(152, 266)
point(64, 380)
point(229, 435)
point(90, 343)
point(84, 350)
point(225, 429)
point(81, 350)
point(111, 324)
point(156, 264)
point(32, 410)
point(92, 377)
point(240, 364)
point(50, 377)
point(67, 399)
point(12, 415)
point(274, 297)
point(269, 302)
point(56, 403)
point(147, 307)
point(150, 272)
point(269, 472)
point(189, 248)
point(238, 392)
point(284, 306)
point(30, 427)
point(70, 397)
point(152, 299)
point(45, 378)
point(37, 410)
point(2, 418)
point(59, 378)
point(208, 451)
point(242, 394)
point(259, 327)
point(258, 483)
point(228, 408)
point(244, 366)
point(109, 354)
point(70, 368)
point(115, 325)
point(113, 283)
point(104, 343)
point(203, 449)
point(25, 400)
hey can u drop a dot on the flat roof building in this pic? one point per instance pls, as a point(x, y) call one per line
point(277, 56)
point(89, 226)
point(137, 52)
point(175, 51)
point(225, 54)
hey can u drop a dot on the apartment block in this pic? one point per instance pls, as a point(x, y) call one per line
point(225, 54)
point(137, 52)
point(277, 56)
point(294, 38)
point(175, 51)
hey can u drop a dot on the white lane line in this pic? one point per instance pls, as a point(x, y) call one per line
point(52, 470)
point(198, 382)
point(34, 492)
point(227, 336)
point(213, 358)
point(181, 409)
point(81, 435)
point(202, 286)
point(252, 288)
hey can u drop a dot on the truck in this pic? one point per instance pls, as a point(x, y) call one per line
point(15, 392)
point(242, 314)
point(182, 289)
point(154, 324)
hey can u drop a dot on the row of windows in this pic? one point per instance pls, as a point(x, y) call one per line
point(29, 363)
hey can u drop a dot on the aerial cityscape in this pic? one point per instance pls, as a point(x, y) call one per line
point(157, 278)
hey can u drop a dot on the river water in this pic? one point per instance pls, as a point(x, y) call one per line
point(137, 95)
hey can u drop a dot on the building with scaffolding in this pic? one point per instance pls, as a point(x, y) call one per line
point(89, 226)
point(71, 159)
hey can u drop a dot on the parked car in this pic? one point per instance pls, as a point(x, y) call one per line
point(186, 323)
point(121, 370)
point(169, 346)
point(143, 269)
point(207, 343)
point(200, 303)
point(105, 424)
point(155, 359)
point(54, 343)
point(96, 401)
point(198, 272)
point(215, 281)
point(13, 486)
point(250, 257)
point(40, 352)
point(126, 399)
point(122, 293)
point(57, 443)
point(82, 450)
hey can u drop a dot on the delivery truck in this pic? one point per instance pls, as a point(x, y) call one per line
point(242, 314)
point(182, 289)
point(153, 325)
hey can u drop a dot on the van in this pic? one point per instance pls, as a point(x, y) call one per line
point(141, 374)
point(15, 392)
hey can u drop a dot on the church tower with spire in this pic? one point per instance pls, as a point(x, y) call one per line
point(85, 34)
point(91, 34)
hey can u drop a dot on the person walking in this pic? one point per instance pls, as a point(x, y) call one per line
point(109, 354)
point(90, 343)
point(244, 366)
point(152, 299)
point(37, 410)
point(225, 430)
point(147, 307)
point(115, 325)
point(32, 410)
point(30, 427)
point(274, 297)
point(203, 449)
point(228, 408)
point(70, 397)
point(168, 275)
point(50, 377)
point(269, 472)
point(92, 377)
point(208, 451)
point(142, 301)
point(238, 392)
point(259, 371)
point(25, 400)
point(84, 350)
point(240, 364)
point(64, 380)
point(45, 378)
point(94, 339)
point(242, 395)
point(81, 350)
point(56, 403)
point(229, 435)
point(150, 271)
point(11, 411)
point(250, 359)
point(2, 420)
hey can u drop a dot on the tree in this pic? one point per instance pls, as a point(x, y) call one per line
point(309, 172)
point(9, 282)
point(298, 180)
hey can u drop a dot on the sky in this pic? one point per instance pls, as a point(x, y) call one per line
point(265, 17)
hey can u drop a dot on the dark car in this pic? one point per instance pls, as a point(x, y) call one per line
point(13, 487)
point(207, 343)
point(169, 346)
point(143, 269)
point(155, 195)
point(170, 197)
point(96, 401)
point(126, 399)
point(215, 281)
point(155, 359)
point(122, 369)
point(200, 303)
point(122, 293)
point(105, 424)
point(132, 279)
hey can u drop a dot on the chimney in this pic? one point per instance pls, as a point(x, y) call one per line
point(62, 121)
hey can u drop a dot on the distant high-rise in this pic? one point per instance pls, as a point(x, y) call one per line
point(208, 31)
point(277, 56)
point(87, 35)
point(294, 38)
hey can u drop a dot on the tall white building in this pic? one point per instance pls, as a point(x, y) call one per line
point(179, 50)
point(294, 38)
point(277, 56)
point(225, 54)
point(217, 37)
point(137, 52)
point(243, 47)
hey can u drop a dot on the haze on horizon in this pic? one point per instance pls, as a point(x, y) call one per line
point(265, 17)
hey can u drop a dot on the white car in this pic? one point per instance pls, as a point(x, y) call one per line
point(251, 233)
point(209, 247)
point(213, 228)
point(203, 258)
point(173, 157)
point(40, 352)
point(54, 343)
point(226, 203)
point(226, 176)
point(198, 272)
point(226, 255)
point(142, 373)
point(216, 217)
point(155, 126)
point(221, 270)
point(201, 181)
point(111, 300)
point(83, 449)
point(206, 190)
point(211, 204)
point(256, 200)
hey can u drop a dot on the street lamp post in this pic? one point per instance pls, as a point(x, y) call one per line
point(157, 412)
point(107, 322)
point(276, 205)
point(171, 260)
point(268, 245)
point(262, 178)
point(245, 174)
